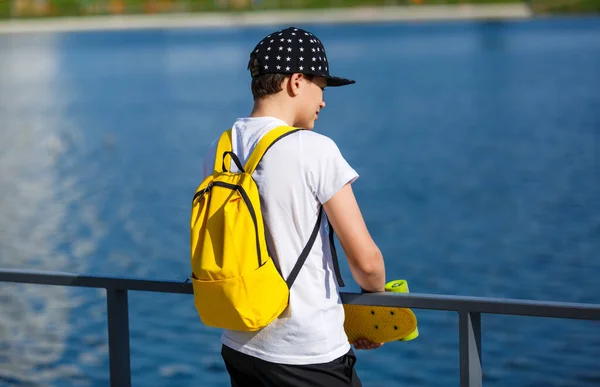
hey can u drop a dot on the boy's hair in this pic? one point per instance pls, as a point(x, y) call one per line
point(264, 85)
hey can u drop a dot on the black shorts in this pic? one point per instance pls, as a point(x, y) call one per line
point(249, 371)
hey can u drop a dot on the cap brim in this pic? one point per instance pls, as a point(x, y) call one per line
point(337, 81)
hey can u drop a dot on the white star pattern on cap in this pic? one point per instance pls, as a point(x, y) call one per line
point(288, 59)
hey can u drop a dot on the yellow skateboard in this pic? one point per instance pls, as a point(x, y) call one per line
point(381, 324)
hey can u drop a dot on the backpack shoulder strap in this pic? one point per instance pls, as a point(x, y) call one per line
point(304, 254)
point(223, 146)
point(311, 241)
point(265, 143)
point(334, 257)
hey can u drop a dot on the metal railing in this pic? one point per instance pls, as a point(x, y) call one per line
point(469, 313)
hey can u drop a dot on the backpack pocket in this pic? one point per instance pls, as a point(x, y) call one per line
point(245, 303)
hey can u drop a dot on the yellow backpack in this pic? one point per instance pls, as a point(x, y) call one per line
point(236, 283)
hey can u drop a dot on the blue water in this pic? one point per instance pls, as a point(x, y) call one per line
point(477, 146)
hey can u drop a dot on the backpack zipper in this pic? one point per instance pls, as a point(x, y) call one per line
point(203, 191)
point(186, 281)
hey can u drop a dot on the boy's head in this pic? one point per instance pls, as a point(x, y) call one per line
point(291, 66)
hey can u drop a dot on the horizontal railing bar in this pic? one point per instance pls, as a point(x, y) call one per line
point(408, 300)
point(72, 279)
point(505, 306)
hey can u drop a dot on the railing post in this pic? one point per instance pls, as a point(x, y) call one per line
point(118, 337)
point(469, 337)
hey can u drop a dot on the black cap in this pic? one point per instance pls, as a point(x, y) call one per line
point(289, 51)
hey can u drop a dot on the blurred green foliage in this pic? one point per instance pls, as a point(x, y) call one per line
point(49, 8)
point(566, 6)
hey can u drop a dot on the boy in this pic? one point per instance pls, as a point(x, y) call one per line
point(306, 345)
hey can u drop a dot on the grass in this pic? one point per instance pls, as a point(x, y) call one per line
point(50, 8)
point(566, 6)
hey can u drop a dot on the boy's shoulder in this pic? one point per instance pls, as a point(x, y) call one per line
point(308, 145)
point(314, 139)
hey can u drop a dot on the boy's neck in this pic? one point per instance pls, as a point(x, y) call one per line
point(272, 108)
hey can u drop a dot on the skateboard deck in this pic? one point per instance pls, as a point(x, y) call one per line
point(381, 324)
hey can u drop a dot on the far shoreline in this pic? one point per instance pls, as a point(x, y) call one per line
point(509, 11)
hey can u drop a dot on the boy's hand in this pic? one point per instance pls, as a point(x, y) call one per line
point(366, 344)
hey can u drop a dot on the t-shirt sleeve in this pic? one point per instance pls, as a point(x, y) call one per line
point(326, 170)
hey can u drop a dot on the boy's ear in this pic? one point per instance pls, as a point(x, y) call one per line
point(296, 77)
point(294, 82)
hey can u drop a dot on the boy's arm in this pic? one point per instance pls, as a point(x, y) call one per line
point(364, 257)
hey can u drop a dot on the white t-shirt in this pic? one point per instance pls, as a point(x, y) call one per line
point(295, 176)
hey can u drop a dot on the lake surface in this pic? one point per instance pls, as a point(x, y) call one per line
point(478, 147)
